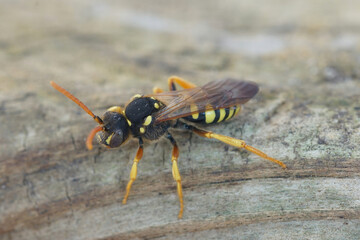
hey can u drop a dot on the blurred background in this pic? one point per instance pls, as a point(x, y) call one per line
point(303, 54)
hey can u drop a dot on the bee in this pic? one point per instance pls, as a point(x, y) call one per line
point(149, 117)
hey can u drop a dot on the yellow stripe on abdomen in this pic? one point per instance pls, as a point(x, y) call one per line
point(231, 113)
point(222, 113)
point(194, 108)
point(238, 108)
point(210, 116)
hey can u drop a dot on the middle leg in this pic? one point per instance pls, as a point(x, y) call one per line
point(157, 90)
point(171, 82)
point(182, 82)
point(176, 173)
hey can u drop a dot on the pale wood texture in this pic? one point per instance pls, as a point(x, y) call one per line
point(305, 57)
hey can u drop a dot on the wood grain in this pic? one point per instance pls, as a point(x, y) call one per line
point(303, 55)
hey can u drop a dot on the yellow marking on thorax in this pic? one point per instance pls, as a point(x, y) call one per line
point(231, 113)
point(194, 108)
point(135, 96)
point(156, 105)
point(142, 130)
point(128, 122)
point(210, 116)
point(222, 114)
point(147, 120)
point(115, 109)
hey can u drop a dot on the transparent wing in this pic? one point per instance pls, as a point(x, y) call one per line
point(214, 95)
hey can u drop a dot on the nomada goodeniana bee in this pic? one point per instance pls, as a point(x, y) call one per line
point(150, 116)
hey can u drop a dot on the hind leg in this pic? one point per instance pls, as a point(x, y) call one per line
point(233, 142)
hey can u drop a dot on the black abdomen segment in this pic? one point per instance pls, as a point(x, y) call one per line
point(213, 116)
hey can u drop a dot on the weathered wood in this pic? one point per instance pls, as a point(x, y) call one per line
point(304, 57)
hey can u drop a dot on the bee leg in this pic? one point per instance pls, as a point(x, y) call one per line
point(133, 171)
point(183, 83)
point(157, 90)
point(176, 173)
point(233, 142)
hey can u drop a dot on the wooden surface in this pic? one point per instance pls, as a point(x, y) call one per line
point(304, 57)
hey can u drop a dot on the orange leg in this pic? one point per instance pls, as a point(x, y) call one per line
point(176, 173)
point(157, 90)
point(183, 83)
point(133, 171)
point(236, 143)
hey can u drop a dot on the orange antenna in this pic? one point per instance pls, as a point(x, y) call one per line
point(91, 137)
point(77, 101)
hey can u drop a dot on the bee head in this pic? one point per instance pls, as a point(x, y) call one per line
point(115, 128)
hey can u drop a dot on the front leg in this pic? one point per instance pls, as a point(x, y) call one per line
point(133, 171)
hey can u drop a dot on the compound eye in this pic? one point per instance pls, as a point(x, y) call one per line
point(116, 139)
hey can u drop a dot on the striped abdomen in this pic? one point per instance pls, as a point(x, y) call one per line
point(213, 116)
